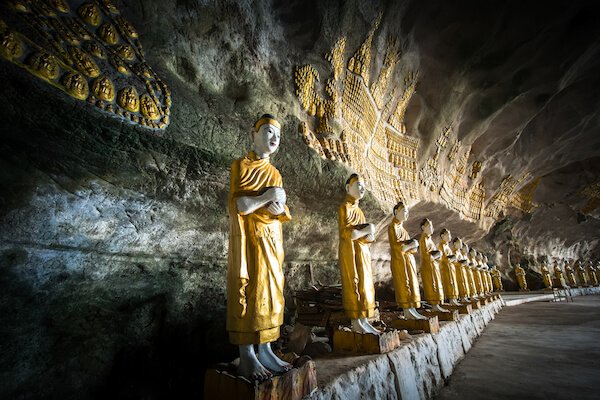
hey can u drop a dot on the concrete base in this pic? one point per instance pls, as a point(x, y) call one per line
point(516, 298)
point(462, 309)
point(452, 315)
point(429, 325)
point(365, 343)
point(415, 370)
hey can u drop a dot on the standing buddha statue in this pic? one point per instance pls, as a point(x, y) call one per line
point(433, 289)
point(520, 274)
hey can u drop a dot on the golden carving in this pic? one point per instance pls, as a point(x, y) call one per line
point(19, 5)
point(10, 46)
point(60, 5)
point(108, 33)
point(523, 199)
point(592, 192)
point(501, 198)
point(128, 99)
point(83, 62)
point(109, 6)
point(75, 84)
point(94, 49)
point(89, 13)
point(126, 27)
point(76, 26)
point(148, 108)
point(475, 169)
point(125, 51)
point(103, 88)
point(44, 65)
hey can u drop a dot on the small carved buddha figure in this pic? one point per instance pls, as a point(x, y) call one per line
point(76, 85)
point(257, 209)
point(355, 237)
point(460, 265)
point(583, 279)
point(559, 275)
point(520, 274)
point(89, 13)
point(433, 288)
point(591, 273)
point(546, 276)
point(448, 268)
point(570, 275)
point(497, 279)
point(103, 88)
point(404, 267)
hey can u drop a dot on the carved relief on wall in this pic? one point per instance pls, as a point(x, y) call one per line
point(361, 123)
point(523, 199)
point(89, 51)
point(502, 198)
point(592, 193)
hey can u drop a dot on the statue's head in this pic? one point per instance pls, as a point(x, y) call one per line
point(265, 135)
point(472, 252)
point(355, 186)
point(427, 226)
point(445, 235)
point(401, 211)
point(485, 259)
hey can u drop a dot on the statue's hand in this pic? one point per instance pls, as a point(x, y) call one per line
point(275, 208)
point(452, 257)
point(436, 254)
point(370, 237)
point(276, 195)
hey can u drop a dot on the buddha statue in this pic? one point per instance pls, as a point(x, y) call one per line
point(448, 269)
point(460, 264)
point(570, 275)
point(355, 237)
point(546, 276)
point(597, 271)
point(478, 273)
point(255, 279)
point(520, 274)
point(470, 266)
point(592, 273)
point(559, 275)
point(583, 279)
point(497, 279)
point(433, 289)
point(488, 275)
point(404, 267)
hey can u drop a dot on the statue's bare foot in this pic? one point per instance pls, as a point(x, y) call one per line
point(454, 302)
point(370, 328)
point(411, 313)
point(439, 308)
point(358, 326)
point(270, 360)
point(253, 370)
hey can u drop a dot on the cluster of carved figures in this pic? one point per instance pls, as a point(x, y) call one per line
point(89, 51)
point(565, 274)
point(361, 124)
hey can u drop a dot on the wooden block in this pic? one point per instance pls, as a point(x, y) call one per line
point(429, 325)
point(365, 342)
point(462, 309)
point(452, 315)
point(295, 384)
point(475, 304)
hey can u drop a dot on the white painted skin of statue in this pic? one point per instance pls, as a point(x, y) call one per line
point(253, 365)
point(436, 255)
point(401, 214)
point(447, 237)
point(357, 190)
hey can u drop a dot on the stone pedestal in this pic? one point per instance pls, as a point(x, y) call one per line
point(452, 315)
point(295, 384)
point(475, 304)
point(429, 325)
point(365, 343)
point(462, 309)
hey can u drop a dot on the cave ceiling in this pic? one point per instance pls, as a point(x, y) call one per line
point(477, 114)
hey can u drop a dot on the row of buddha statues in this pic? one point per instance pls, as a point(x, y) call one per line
point(573, 275)
point(451, 272)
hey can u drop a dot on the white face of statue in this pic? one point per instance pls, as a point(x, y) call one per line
point(401, 213)
point(446, 236)
point(356, 189)
point(472, 252)
point(428, 228)
point(485, 259)
point(266, 140)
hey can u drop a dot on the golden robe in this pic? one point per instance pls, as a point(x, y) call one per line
point(571, 276)
point(404, 268)
point(472, 284)
point(448, 271)
point(592, 276)
point(254, 276)
point(547, 277)
point(490, 284)
point(479, 281)
point(582, 277)
point(462, 276)
point(520, 273)
point(358, 291)
point(497, 279)
point(433, 288)
point(559, 276)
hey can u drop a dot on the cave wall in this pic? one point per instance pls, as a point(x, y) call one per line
point(113, 238)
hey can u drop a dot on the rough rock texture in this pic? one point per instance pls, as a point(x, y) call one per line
point(416, 370)
point(113, 240)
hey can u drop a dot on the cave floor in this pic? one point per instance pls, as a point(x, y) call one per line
point(539, 350)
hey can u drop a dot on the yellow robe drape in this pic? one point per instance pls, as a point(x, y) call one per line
point(254, 276)
point(571, 276)
point(559, 276)
point(490, 284)
point(404, 268)
point(547, 278)
point(448, 271)
point(358, 291)
point(471, 272)
point(497, 279)
point(433, 289)
point(520, 273)
point(582, 276)
point(592, 276)
point(479, 281)
point(462, 276)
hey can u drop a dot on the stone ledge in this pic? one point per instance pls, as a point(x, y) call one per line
point(514, 299)
point(415, 370)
